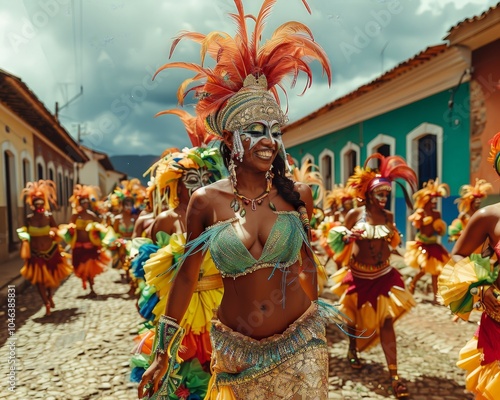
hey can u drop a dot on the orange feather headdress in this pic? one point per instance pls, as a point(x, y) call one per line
point(366, 179)
point(494, 157)
point(43, 189)
point(242, 86)
point(92, 193)
point(338, 195)
point(431, 189)
point(469, 193)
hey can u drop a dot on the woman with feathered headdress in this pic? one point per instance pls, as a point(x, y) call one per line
point(468, 203)
point(255, 224)
point(472, 282)
point(45, 263)
point(373, 294)
point(425, 252)
point(175, 177)
point(84, 233)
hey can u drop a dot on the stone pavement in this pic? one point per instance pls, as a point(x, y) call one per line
point(82, 350)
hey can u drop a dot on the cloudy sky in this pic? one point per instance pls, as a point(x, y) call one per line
point(111, 48)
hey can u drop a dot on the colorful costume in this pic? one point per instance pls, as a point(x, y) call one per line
point(242, 365)
point(242, 89)
point(372, 292)
point(468, 202)
point(368, 293)
point(89, 257)
point(461, 286)
point(160, 268)
point(50, 266)
point(425, 252)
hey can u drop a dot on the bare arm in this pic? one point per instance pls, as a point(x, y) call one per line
point(308, 275)
point(475, 233)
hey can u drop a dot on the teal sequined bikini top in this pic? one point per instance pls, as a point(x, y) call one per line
point(232, 258)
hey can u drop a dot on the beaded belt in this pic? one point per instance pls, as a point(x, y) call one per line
point(369, 271)
point(209, 283)
point(493, 315)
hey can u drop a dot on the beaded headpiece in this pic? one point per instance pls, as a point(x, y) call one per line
point(43, 189)
point(430, 190)
point(469, 193)
point(366, 179)
point(242, 87)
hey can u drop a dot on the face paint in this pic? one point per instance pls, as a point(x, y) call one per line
point(259, 130)
point(194, 179)
point(381, 197)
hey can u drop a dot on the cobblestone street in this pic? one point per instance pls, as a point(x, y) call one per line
point(82, 350)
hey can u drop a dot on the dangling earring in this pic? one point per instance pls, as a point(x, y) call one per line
point(238, 149)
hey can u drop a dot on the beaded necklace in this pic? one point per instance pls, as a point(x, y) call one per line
point(237, 204)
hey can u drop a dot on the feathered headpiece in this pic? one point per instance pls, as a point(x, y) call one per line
point(337, 196)
point(366, 179)
point(494, 157)
point(308, 173)
point(166, 173)
point(133, 189)
point(242, 86)
point(43, 189)
point(431, 189)
point(92, 193)
point(469, 193)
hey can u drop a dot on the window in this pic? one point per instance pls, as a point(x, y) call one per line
point(327, 168)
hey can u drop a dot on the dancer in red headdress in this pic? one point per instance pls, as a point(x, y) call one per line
point(373, 294)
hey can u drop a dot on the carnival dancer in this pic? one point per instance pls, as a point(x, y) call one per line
point(425, 253)
point(468, 203)
point(45, 262)
point(372, 292)
point(338, 202)
point(84, 233)
point(176, 177)
point(471, 281)
point(268, 334)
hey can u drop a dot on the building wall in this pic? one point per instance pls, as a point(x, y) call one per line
point(484, 106)
point(16, 161)
point(398, 126)
point(56, 166)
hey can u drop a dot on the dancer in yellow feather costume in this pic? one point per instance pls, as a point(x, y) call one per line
point(425, 252)
point(174, 179)
point(45, 262)
point(471, 282)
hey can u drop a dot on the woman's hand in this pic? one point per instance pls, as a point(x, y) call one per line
point(151, 379)
point(353, 235)
point(491, 299)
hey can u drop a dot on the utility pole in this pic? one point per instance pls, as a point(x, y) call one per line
point(78, 164)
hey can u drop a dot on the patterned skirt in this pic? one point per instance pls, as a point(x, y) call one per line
point(294, 363)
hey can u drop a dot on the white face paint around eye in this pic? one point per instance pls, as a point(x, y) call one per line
point(194, 179)
point(259, 130)
point(381, 197)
